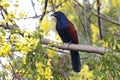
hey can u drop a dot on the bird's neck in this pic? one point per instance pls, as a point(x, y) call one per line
point(61, 25)
point(62, 21)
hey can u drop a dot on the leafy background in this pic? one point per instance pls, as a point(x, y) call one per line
point(22, 56)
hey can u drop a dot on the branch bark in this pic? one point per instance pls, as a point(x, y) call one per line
point(66, 46)
point(78, 47)
point(4, 25)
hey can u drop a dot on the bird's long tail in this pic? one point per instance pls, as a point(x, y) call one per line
point(76, 64)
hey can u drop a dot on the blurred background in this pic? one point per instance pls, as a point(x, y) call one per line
point(24, 23)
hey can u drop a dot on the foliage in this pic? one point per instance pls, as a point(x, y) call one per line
point(24, 57)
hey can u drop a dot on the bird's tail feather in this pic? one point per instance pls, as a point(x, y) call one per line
point(76, 64)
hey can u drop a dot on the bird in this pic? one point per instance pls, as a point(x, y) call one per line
point(68, 34)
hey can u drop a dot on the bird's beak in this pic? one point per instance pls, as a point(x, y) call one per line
point(53, 14)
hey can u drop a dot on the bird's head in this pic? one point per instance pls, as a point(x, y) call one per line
point(59, 16)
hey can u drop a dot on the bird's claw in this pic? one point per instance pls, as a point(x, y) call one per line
point(69, 43)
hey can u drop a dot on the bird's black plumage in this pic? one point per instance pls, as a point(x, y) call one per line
point(68, 34)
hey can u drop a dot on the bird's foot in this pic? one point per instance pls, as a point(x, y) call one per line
point(69, 43)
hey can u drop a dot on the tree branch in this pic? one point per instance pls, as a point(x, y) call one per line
point(7, 27)
point(78, 47)
point(44, 11)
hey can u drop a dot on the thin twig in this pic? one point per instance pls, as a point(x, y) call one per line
point(99, 20)
point(54, 65)
point(3, 17)
point(44, 11)
point(37, 16)
point(64, 52)
point(33, 5)
point(53, 5)
point(26, 70)
point(85, 21)
point(3, 65)
point(61, 51)
point(101, 16)
point(11, 20)
point(117, 34)
point(13, 71)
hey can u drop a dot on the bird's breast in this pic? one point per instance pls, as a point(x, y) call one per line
point(63, 31)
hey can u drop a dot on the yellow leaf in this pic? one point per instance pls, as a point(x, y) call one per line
point(51, 53)
point(5, 3)
point(116, 3)
point(46, 24)
point(95, 32)
point(71, 17)
point(48, 73)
